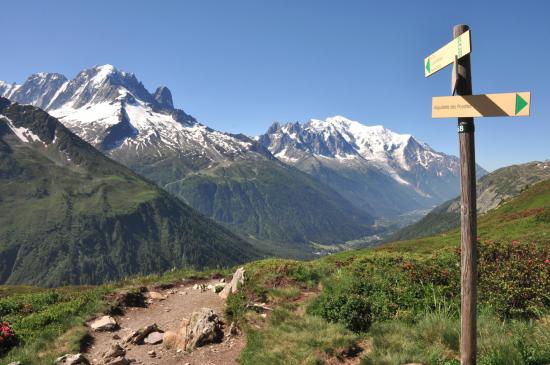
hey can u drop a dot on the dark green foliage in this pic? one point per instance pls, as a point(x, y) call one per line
point(352, 310)
point(41, 314)
point(71, 215)
point(385, 288)
point(235, 307)
point(515, 278)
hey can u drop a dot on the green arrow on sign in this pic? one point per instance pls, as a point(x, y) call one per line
point(428, 66)
point(520, 103)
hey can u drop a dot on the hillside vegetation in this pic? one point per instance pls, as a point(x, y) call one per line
point(400, 302)
point(492, 189)
point(72, 216)
point(394, 304)
point(249, 196)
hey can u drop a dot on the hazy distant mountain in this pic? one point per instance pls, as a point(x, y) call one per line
point(71, 215)
point(492, 190)
point(378, 170)
point(230, 178)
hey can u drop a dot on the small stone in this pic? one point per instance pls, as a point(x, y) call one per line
point(116, 337)
point(217, 288)
point(154, 338)
point(105, 323)
point(121, 360)
point(152, 353)
point(115, 351)
point(157, 296)
point(263, 315)
point(137, 336)
point(222, 280)
point(72, 359)
point(15, 363)
point(233, 330)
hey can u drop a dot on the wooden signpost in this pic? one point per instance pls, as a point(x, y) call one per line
point(465, 107)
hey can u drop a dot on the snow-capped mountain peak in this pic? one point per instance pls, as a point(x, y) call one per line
point(113, 110)
point(354, 149)
point(341, 138)
point(371, 142)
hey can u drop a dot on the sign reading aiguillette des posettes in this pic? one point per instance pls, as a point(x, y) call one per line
point(486, 105)
point(458, 47)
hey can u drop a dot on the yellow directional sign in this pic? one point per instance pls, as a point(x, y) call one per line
point(458, 47)
point(486, 105)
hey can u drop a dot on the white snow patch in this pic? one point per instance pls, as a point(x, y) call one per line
point(24, 134)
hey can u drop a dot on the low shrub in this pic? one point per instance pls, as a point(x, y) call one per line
point(7, 337)
point(236, 307)
point(387, 288)
point(514, 278)
point(352, 310)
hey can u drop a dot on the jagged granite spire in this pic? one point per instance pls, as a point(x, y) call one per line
point(163, 97)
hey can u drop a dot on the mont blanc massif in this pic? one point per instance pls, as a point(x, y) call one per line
point(297, 189)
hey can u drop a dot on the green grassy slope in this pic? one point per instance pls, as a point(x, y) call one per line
point(71, 215)
point(492, 189)
point(523, 218)
point(400, 302)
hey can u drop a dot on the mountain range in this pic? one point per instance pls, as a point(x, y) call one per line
point(378, 170)
point(323, 181)
point(70, 215)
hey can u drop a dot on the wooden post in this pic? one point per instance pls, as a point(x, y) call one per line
point(467, 214)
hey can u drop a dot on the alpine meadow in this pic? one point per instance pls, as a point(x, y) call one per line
point(274, 183)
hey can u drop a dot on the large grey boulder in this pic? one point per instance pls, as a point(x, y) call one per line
point(205, 326)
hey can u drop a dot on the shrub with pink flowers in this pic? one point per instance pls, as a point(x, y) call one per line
point(7, 337)
point(514, 278)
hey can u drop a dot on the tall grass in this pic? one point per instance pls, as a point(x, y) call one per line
point(434, 340)
point(291, 339)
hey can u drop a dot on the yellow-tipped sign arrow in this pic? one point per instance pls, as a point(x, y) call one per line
point(486, 105)
point(458, 47)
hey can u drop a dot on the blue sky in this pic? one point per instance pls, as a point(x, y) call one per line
point(238, 66)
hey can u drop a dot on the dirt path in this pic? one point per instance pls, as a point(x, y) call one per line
point(181, 301)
